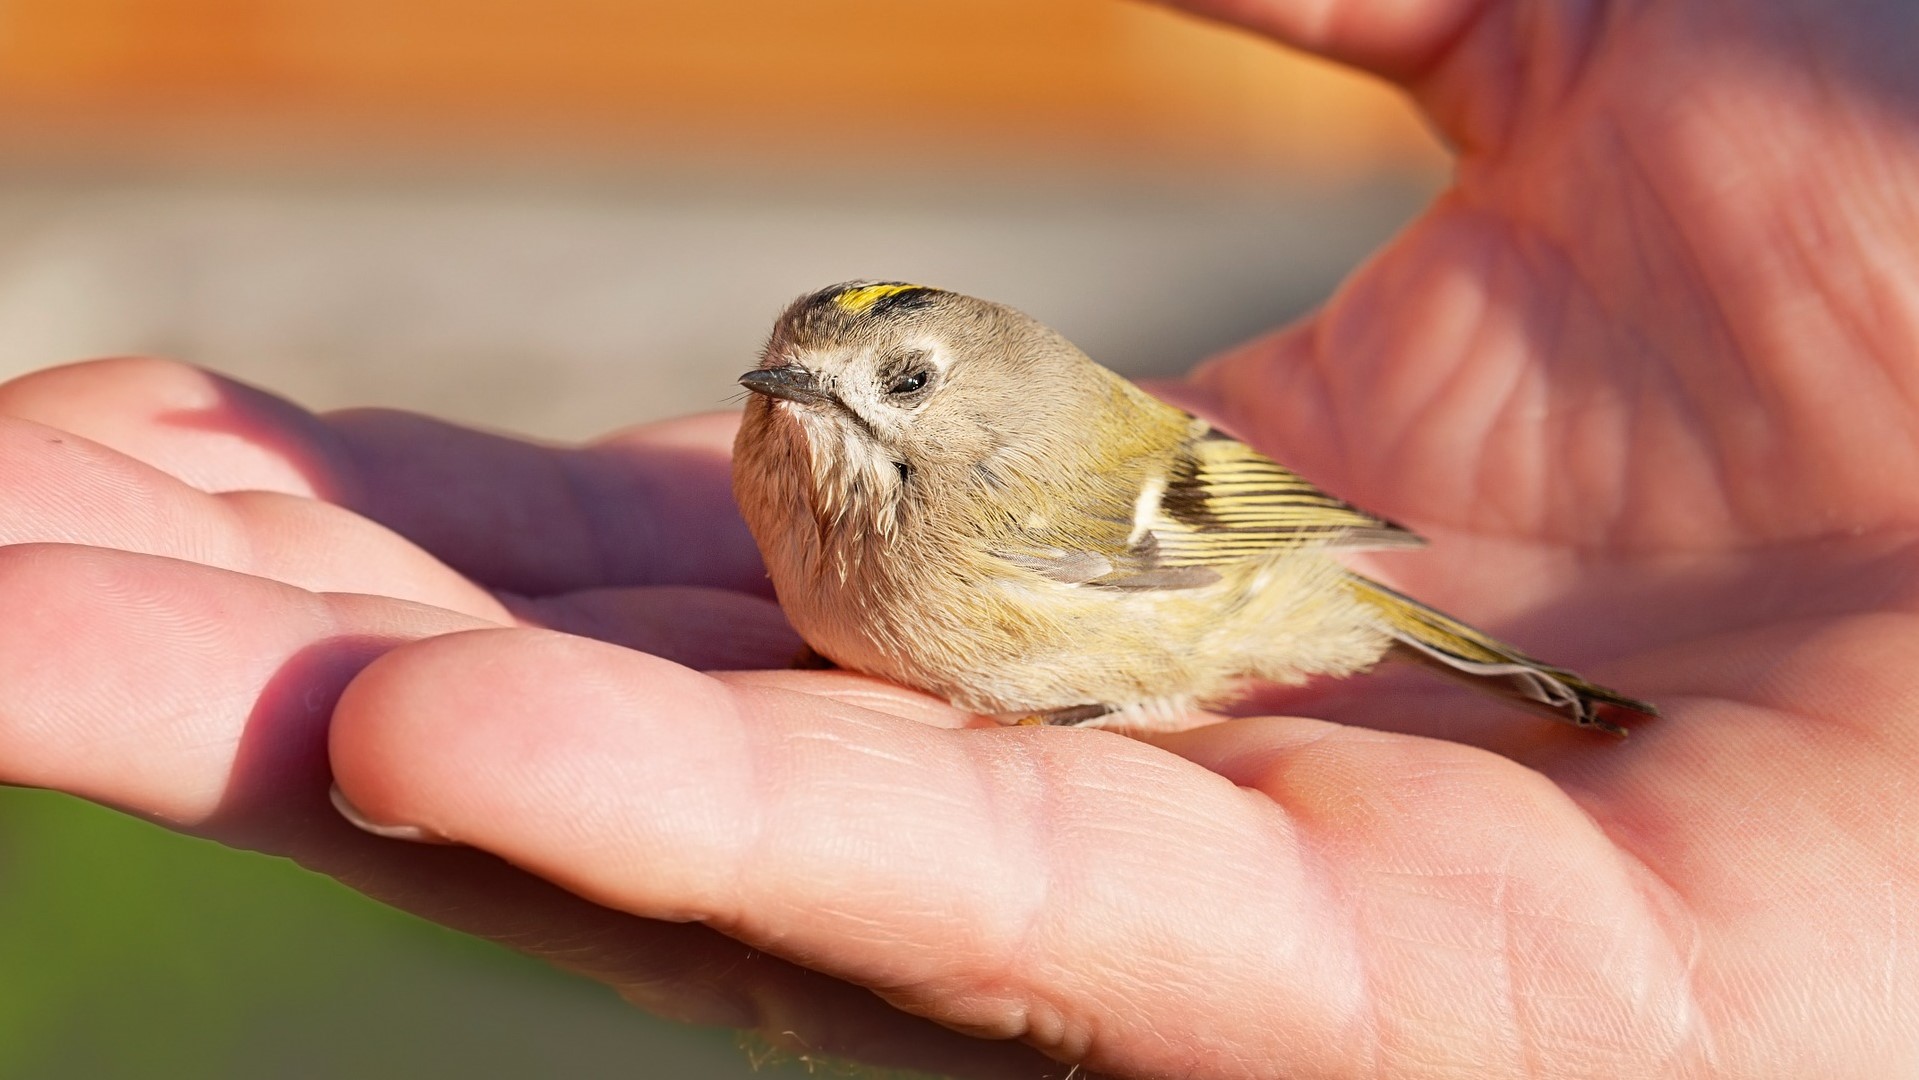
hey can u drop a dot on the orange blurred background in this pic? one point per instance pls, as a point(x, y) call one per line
point(559, 217)
point(861, 79)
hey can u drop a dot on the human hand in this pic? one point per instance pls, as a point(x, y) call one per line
point(1719, 395)
point(195, 688)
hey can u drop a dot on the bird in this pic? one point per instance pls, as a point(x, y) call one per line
point(950, 495)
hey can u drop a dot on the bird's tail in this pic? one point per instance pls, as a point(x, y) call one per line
point(1452, 648)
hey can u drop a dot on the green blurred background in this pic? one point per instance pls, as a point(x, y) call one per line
point(558, 218)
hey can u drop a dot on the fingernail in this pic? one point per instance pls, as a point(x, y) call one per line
point(411, 833)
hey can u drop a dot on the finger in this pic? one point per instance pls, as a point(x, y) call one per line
point(651, 506)
point(1399, 39)
point(61, 488)
point(1109, 901)
point(200, 698)
point(1478, 69)
point(189, 651)
point(213, 433)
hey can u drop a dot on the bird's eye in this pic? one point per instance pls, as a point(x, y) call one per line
point(907, 383)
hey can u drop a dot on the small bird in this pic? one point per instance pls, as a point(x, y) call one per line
point(950, 495)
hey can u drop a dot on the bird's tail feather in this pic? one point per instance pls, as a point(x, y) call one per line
point(1451, 647)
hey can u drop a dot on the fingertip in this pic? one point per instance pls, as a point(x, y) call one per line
point(397, 726)
point(210, 431)
point(69, 392)
point(538, 745)
point(364, 822)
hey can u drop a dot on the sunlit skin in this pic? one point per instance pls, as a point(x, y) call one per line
point(1646, 375)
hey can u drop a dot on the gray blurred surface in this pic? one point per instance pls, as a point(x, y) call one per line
point(568, 308)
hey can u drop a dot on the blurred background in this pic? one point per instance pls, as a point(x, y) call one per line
point(559, 217)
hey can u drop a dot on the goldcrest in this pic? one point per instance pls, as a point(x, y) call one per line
point(950, 495)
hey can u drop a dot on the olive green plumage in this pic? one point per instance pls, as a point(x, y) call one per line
point(950, 495)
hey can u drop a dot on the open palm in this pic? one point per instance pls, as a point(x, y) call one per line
point(1645, 376)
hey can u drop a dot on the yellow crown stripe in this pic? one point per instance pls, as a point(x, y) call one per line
point(859, 300)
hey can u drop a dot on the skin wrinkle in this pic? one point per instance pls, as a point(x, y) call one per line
point(1311, 366)
point(887, 701)
point(1863, 409)
point(1658, 392)
point(1463, 345)
point(1478, 526)
point(1635, 871)
point(1293, 833)
point(242, 523)
point(1823, 82)
point(1765, 395)
point(1502, 956)
point(1482, 125)
point(1889, 307)
point(1699, 403)
point(1389, 925)
point(1030, 755)
point(1763, 694)
point(751, 848)
point(1485, 490)
point(1317, 361)
point(1695, 1041)
point(1150, 978)
point(1445, 48)
point(1603, 1030)
point(1524, 394)
point(1153, 943)
point(919, 992)
point(1627, 488)
point(1642, 198)
point(1889, 967)
point(1594, 492)
point(1395, 448)
point(1316, 850)
point(1830, 300)
point(1650, 219)
point(233, 544)
point(1884, 309)
point(1667, 906)
point(834, 739)
point(1882, 626)
point(1575, 30)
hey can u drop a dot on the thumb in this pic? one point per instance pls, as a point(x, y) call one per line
point(1401, 40)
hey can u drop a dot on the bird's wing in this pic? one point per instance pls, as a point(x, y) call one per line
point(1225, 501)
point(1213, 502)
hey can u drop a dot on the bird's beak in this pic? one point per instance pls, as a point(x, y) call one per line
point(788, 382)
